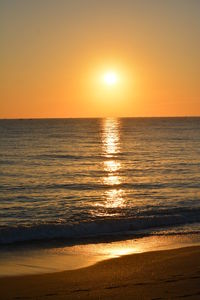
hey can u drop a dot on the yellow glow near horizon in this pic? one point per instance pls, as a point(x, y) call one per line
point(110, 78)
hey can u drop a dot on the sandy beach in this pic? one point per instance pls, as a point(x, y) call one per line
point(169, 274)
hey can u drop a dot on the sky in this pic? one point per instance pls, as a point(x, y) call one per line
point(54, 55)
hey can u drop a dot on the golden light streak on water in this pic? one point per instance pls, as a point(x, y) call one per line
point(114, 198)
point(110, 138)
point(111, 166)
point(111, 147)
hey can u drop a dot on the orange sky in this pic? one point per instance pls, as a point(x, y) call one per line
point(53, 53)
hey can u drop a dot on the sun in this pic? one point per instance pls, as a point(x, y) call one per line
point(110, 78)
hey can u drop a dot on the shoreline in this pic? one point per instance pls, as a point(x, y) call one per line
point(166, 274)
point(57, 257)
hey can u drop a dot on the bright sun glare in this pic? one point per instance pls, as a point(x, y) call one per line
point(110, 78)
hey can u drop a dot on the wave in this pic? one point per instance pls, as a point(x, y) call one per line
point(76, 157)
point(100, 186)
point(94, 229)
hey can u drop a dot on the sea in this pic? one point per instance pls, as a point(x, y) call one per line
point(76, 179)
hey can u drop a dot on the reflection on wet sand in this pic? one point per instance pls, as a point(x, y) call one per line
point(53, 259)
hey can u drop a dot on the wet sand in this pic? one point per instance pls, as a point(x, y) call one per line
point(169, 274)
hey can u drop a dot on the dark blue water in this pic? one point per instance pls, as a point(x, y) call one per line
point(75, 178)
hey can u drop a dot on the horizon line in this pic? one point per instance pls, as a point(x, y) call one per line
point(134, 117)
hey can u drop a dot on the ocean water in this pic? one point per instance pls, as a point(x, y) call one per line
point(89, 178)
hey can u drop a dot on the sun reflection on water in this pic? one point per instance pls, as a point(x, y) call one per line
point(111, 148)
point(111, 165)
point(114, 198)
point(111, 180)
point(110, 137)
